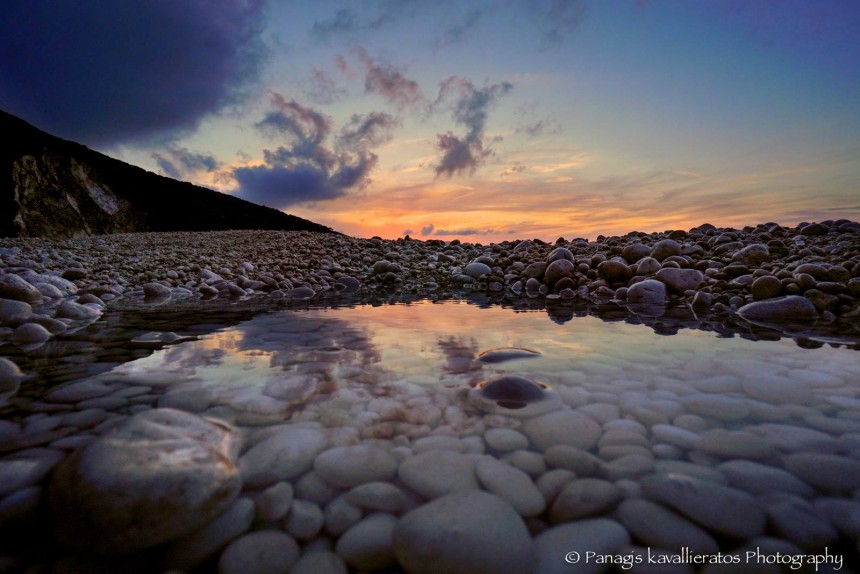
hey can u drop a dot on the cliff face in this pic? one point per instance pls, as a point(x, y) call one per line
point(51, 187)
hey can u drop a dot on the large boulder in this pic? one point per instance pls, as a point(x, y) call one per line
point(161, 474)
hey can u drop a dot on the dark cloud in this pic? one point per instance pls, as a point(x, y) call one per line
point(180, 163)
point(467, 231)
point(427, 230)
point(364, 132)
point(308, 168)
point(407, 232)
point(469, 108)
point(556, 20)
point(110, 72)
point(389, 82)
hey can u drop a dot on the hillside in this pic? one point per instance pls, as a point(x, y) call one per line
point(50, 187)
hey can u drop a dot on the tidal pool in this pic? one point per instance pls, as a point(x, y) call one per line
point(363, 435)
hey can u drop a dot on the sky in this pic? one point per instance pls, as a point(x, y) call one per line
point(482, 121)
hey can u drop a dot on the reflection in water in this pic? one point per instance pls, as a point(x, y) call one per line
point(270, 367)
point(588, 405)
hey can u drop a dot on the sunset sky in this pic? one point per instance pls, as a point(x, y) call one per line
point(482, 121)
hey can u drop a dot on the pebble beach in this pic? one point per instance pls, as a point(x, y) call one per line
point(488, 470)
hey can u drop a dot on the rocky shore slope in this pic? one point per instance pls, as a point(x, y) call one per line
point(766, 272)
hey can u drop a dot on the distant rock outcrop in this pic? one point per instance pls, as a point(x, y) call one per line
point(50, 187)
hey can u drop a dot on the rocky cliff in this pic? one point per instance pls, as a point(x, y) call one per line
point(51, 187)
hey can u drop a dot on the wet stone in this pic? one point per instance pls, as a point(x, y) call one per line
point(160, 475)
point(723, 510)
point(262, 551)
point(436, 473)
point(350, 466)
point(562, 427)
point(513, 395)
point(461, 532)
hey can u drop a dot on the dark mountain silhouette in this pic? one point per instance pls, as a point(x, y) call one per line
point(50, 187)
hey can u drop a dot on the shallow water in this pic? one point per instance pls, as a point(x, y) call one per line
point(393, 375)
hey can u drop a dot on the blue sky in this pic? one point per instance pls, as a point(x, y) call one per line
point(481, 120)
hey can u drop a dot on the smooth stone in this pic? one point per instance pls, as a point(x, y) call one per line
point(562, 427)
point(758, 479)
point(14, 312)
point(11, 375)
point(842, 512)
point(468, 532)
point(260, 552)
point(503, 355)
point(655, 525)
point(599, 536)
point(829, 472)
point(790, 438)
point(582, 462)
point(14, 288)
point(505, 440)
point(159, 475)
point(476, 270)
point(188, 552)
point(436, 473)
point(305, 519)
point(319, 562)
point(679, 280)
point(22, 470)
point(380, 496)
point(584, 497)
point(766, 287)
point(349, 466)
point(718, 508)
point(665, 248)
point(777, 390)
point(685, 468)
point(77, 312)
point(274, 502)
point(515, 396)
point(438, 442)
point(282, 456)
point(796, 520)
point(634, 252)
point(30, 333)
point(79, 391)
point(734, 444)
point(629, 466)
point(647, 292)
point(313, 488)
point(156, 290)
point(716, 406)
point(510, 484)
point(557, 270)
point(552, 482)
point(368, 544)
point(676, 436)
point(787, 308)
point(530, 462)
point(752, 255)
point(340, 515)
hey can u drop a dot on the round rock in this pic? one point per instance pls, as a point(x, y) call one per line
point(562, 427)
point(469, 532)
point(788, 308)
point(161, 474)
point(435, 473)
point(349, 466)
point(261, 552)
